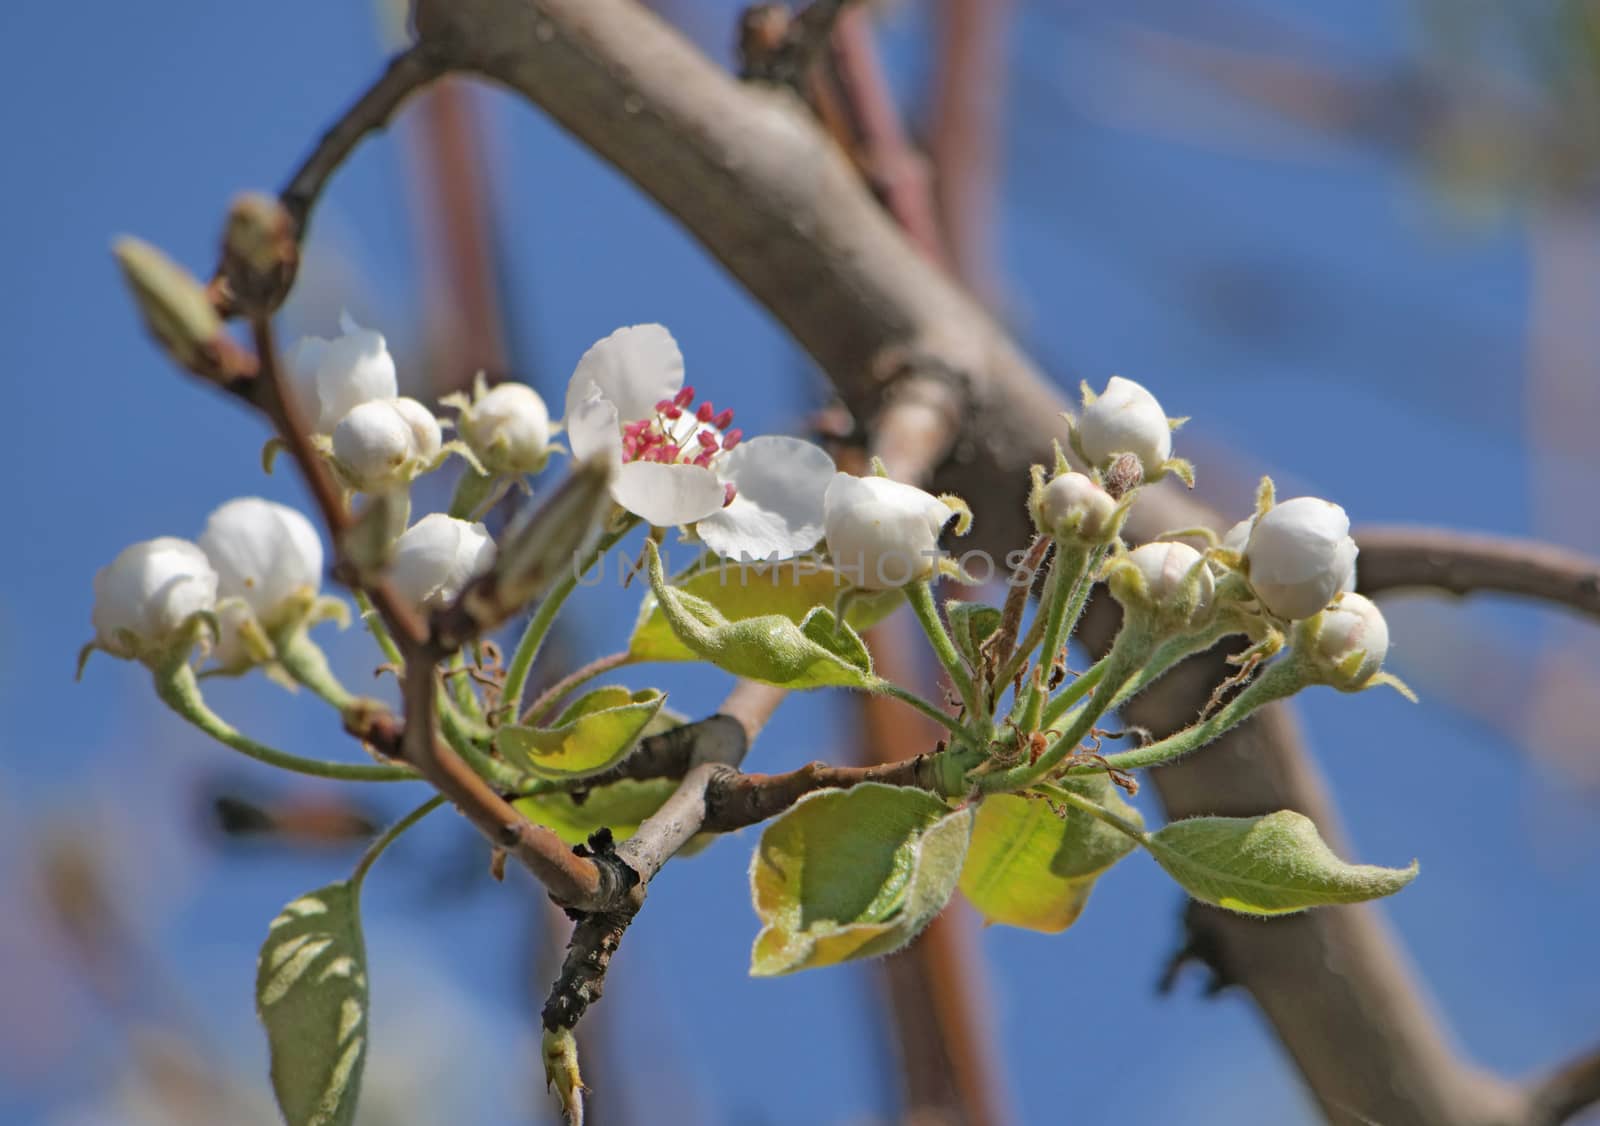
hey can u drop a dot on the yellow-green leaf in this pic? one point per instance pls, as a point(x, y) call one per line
point(311, 994)
point(1270, 865)
point(817, 652)
point(752, 590)
point(592, 734)
point(848, 874)
point(1032, 863)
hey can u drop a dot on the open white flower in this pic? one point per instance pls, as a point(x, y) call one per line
point(437, 557)
point(384, 443)
point(883, 534)
point(678, 464)
point(146, 599)
point(268, 560)
point(1299, 555)
point(507, 426)
point(352, 368)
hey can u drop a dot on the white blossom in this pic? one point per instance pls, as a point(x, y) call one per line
point(268, 560)
point(1299, 555)
point(352, 368)
point(507, 426)
point(681, 464)
point(149, 594)
point(881, 533)
point(437, 557)
point(385, 442)
point(1125, 418)
point(1072, 504)
point(1352, 625)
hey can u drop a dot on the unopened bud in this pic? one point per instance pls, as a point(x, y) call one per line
point(259, 254)
point(177, 310)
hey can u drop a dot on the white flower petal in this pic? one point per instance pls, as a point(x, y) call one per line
point(667, 495)
point(436, 558)
point(635, 368)
point(881, 533)
point(777, 509)
point(149, 590)
point(264, 553)
point(593, 429)
point(353, 369)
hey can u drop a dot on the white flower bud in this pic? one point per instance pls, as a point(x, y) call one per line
point(508, 427)
point(1126, 419)
point(1353, 625)
point(882, 534)
point(437, 557)
point(1072, 504)
point(147, 596)
point(1171, 579)
point(375, 445)
point(426, 438)
point(349, 370)
point(266, 554)
point(1299, 555)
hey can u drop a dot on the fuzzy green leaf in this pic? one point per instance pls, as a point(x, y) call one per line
point(971, 624)
point(1270, 865)
point(311, 994)
point(1032, 863)
point(818, 652)
point(751, 590)
point(618, 806)
point(848, 874)
point(592, 734)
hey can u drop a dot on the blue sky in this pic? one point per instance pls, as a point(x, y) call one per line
point(1320, 312)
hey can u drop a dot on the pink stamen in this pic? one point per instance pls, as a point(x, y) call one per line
point(703, 459)
point(705, 411)
point(732, 439)
point(722, 420)
point(706, 439)
point(674, 413)
point(728, 493)
point(664, 406)
point(684, 397)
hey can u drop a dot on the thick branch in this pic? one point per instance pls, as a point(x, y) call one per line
point(1438, 559)
point(1566, 1092)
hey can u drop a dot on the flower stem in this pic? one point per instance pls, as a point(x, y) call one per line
point(1067, 596)
point(304, 660)
point(544, 617)
point(920, 597)
point(464, 740)
point(537, 711)
point(178, 689)
point(460, 682)
point(389, 836)
point(949, 722)
point(380, 632)
point(1278, 680)
point(1093, 809)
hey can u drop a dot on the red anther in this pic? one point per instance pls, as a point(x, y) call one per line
point(706, 439)
point(674, 413)
point(664, 406)
point(703, 459)
point(634, 429)
point(728, 493)
point(732, 438)
point(705, 411)
point(684, 397)
point(722, 420)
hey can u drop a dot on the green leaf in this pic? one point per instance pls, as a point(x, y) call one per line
point(1268, 865)
point(592, 734)
point(1032, 863)
point(818, 652)
point(848, 874)
point(751, 590)
point(618, 806)
point(311, 993)
point(971, 624)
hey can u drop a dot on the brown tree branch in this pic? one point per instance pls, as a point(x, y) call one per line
point(1566, 1092)
point(1459, 563)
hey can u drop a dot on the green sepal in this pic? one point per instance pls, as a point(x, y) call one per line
point(1270, 865)
point(971, 624)
point(1033, 862)
point(593, 733)
point(850, 874)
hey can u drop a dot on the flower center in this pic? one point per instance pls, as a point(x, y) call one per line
point(679, 433)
